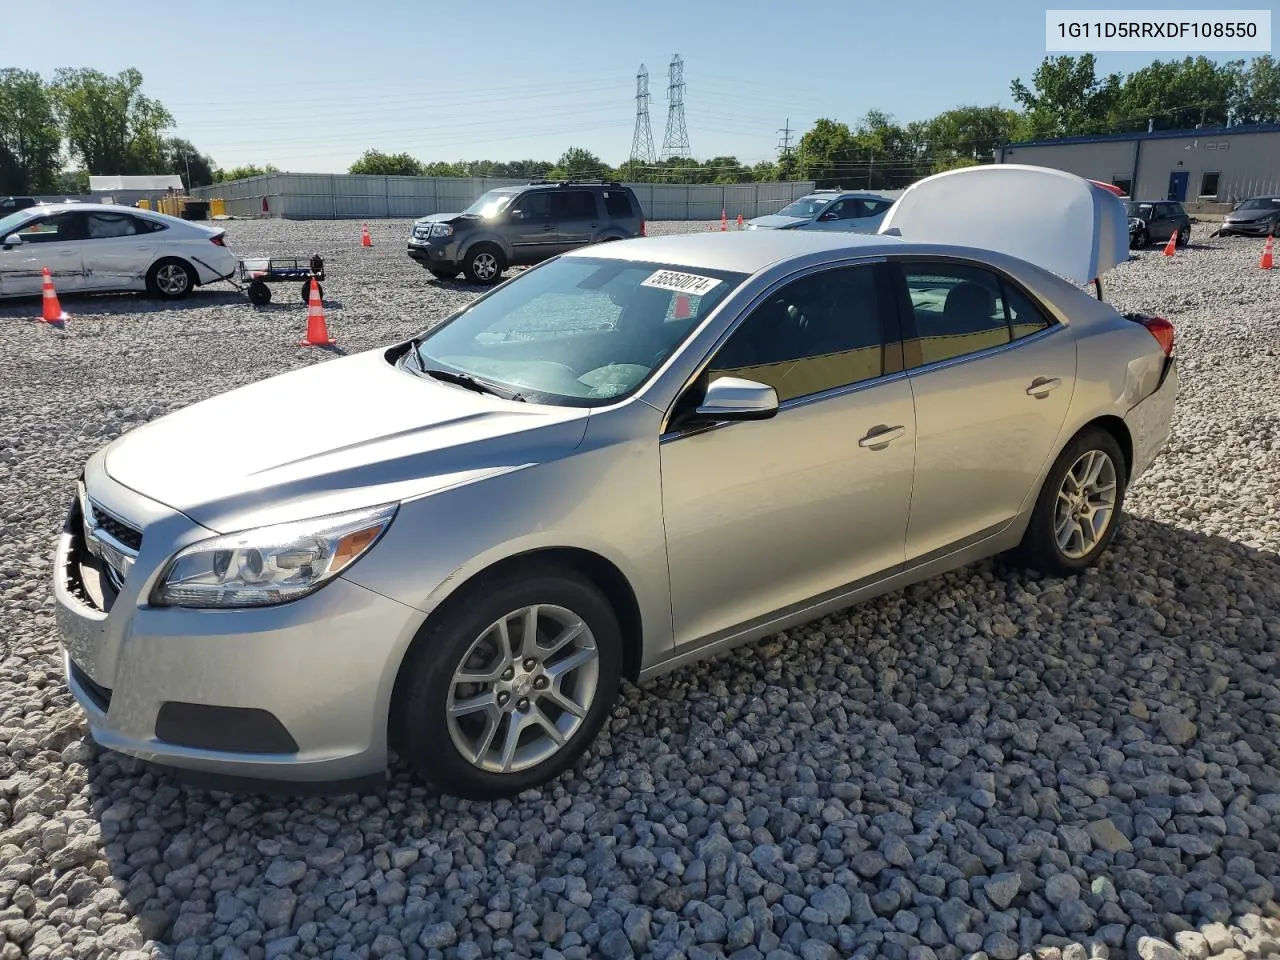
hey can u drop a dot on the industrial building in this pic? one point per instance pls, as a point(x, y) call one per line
point(1208, 165)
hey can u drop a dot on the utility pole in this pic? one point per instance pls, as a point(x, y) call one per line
point(642, 139)
point(675, 143)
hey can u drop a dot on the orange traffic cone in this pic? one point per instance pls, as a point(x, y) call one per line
point(317, 332)
point(739, 221)
point(365, 239)
point(1267, 261)
point(724, 220)
point(53, 312)
point(1171, 246)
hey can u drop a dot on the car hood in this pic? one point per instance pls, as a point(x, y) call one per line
point(438, 218)
point(775, 221)
point(1247, 216)
point(333, 436)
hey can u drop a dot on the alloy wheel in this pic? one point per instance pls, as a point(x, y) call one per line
point(172, 280)
point(485, 266)
point(1085, 505)
point(523, 689)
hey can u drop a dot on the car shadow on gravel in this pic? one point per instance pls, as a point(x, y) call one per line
point(1126, 746)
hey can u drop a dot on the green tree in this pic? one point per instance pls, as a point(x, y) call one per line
point(967, 135)
point(243, 173)
point(1067, 98)
point(1176, 95)
point(182, 158)
point(726, 170)
point(577, 162)
point(30, 142)
point(72, 182)
point(110, 125)
point(439, 168)
point(826, 151)
point(1256, 98)
point(387, 165)
point(766, 171)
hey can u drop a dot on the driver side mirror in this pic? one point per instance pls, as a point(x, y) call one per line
point(517, 214)
point(732, 398)
point(12, 240)
point(828, 216)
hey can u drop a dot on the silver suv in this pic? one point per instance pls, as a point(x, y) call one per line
point(524, 225)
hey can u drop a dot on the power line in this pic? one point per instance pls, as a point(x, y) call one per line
point(676, 141)
point(642, 138)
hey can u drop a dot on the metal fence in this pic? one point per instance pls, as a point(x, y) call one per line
point(337, 196)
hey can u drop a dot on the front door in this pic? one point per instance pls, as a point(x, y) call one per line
point(1178, 185)
point(52, 241)
point(530, 228)
point(117, 250)
point(761, 515)
point(576, 217)
point(992, 378)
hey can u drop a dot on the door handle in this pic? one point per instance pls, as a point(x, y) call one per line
point(1041, 387)
point(881, 436)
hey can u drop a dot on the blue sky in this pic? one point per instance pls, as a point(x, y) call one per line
point(308, 85)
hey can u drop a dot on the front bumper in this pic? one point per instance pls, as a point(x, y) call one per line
point(438, 254)
point(1255, 228)
point(297, 693)
point(1150, 421)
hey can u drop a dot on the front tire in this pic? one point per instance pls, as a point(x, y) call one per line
point(484, 264)
point(510, 686)
point(1184, 236)
point(1079, 507)
point(1143, 240)
point(171, 279)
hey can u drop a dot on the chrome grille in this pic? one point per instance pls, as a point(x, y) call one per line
point(113, 540)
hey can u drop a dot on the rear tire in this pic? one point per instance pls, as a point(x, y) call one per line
point(259, 293)
point(484, 264)
point(171, 279)
point(520, 686)
point(1079, 507)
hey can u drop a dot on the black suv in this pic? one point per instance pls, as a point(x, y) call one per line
point(10, 205)
point(519, 226)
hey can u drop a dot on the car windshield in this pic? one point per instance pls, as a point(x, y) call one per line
point(490, 204)
point(1141, 210)
point(1259, 204)
point(576, 331)
point(11, 223)
point(805, 207)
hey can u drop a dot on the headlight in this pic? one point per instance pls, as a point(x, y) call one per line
point(441, 230)
point(269, 565)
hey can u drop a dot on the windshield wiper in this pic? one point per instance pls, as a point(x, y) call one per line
point(471, 383)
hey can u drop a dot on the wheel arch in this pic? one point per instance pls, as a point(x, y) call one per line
point(599, 570)
point(1119, 430)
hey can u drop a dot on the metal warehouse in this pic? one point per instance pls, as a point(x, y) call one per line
point(1222, 164)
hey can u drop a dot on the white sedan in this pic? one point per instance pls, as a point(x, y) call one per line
point(95, 248)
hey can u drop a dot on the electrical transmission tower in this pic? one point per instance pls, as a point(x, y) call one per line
point(676, 141)
point(784, 150)
point(642, 139)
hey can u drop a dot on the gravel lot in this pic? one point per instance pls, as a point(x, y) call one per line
point(990, 763)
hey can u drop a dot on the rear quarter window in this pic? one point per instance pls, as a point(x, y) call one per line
point(617, 203)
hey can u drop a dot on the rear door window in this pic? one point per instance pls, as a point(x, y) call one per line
point(104, 226)
point(617, 203)
point(573, 205)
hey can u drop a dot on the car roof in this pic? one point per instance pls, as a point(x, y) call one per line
point(45, 209)
point(746, 251)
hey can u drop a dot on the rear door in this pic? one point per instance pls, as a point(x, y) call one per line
point(117, 251)
point(531, 230)
point(52, 241)
point(575, 217)
point(992, 376)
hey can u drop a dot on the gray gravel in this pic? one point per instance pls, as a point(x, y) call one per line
point(987, 765)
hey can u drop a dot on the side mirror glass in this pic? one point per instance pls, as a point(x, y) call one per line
point(517, 214)
point(827, 216)
point(12, 240)
point(732, 398)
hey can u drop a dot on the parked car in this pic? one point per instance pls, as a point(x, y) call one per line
point(626, 459)
point(10, 205)
point(92, 248)
point(1155, 221)
point(836, 210)
point(1255, 217)
point(524, 225)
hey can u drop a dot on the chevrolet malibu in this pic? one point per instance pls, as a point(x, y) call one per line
point(622, 461)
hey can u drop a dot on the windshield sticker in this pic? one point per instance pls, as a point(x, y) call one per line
point(689, 283)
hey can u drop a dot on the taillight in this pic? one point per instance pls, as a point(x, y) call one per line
point(1162, 330)
point(217, 238)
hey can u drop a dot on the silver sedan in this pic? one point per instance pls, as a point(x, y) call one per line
point(624, 460)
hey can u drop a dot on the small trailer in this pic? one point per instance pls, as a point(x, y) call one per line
point(257, 272)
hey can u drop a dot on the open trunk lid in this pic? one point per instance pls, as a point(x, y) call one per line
point(1062, 223)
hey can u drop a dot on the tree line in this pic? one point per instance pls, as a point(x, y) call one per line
point(54, 134)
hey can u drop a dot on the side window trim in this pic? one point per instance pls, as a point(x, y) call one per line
point(906, 313)
point(890, 325)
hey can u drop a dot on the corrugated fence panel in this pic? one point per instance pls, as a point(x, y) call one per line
point(408, 207)
point(740, 199)
point(305, 206)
